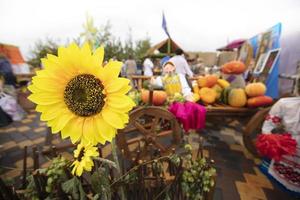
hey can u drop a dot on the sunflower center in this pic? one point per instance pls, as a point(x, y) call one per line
point(81, 153)
point(83, 95)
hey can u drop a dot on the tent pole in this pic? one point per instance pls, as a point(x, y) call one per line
point(169, 46)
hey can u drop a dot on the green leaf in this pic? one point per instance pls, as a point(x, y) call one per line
point(97, 197)
point(100, 182)
point(74, 187)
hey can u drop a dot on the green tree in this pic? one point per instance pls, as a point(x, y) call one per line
point(141, 47)
point(41, 49)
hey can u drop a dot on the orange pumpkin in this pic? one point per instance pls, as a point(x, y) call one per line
point(207, 81)
point(208, 95)
point(255, 89)
point(259, 101)
point(201, 81)
point(233, 67)
point(211, 80)
point(159, 97)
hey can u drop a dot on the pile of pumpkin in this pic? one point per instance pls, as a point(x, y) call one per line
point(210, 89)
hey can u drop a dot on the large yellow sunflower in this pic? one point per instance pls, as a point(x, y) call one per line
point(84, 158)
point(80, 97)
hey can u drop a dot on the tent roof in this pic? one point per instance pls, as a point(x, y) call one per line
point(12, 53)
point(162, 47)
point(232, 45)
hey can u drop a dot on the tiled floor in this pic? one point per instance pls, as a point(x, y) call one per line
point(238, 174)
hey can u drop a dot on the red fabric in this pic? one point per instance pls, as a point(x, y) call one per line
point(274, 146)
point(191, 115)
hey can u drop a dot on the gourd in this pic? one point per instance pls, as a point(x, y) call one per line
point(211, 80)
point(224, 95)
point(201, 81)
point(207, 81)
point(255, 89)
point(223, 83)
point(233, 67)
point(237, 97)
point(159, 97)
point(218, 90)
point(259, 101)
point(208, 95)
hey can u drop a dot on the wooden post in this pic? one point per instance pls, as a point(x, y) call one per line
point(53, 148)
point(49, 137)
point(24, 168)
point(35, 158)
point(150, 97)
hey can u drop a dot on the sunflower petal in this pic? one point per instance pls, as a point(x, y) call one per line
point(122, 103)
point(33, 88)
point(57, 124)
point(98, 56)
point(52, 111)
point(114, 119)
point(89, 131)
point(105, 130)
point(79, 169)
point(73, 129)
point(75, 166)
point(119, 85)
point(110, 71)
point(61, 69)
point(48, 84)
point(46, 98)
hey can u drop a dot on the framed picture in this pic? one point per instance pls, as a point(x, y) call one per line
point(264, 45)
point(246, 54)
point(265, 64)
point(260, 63)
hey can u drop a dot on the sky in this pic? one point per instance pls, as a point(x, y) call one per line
point(195, 25)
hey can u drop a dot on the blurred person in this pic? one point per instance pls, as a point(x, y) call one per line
point(148, 66)
point(123, 69)
point(157, 69)
point(9, 104)
point(200, 67)
point(130, 66)
point(284, 117)
point(130, 69)
point(140, 67)
point(182, 67)
point(6, 71)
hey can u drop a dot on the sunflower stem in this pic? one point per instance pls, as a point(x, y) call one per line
point(116, 159)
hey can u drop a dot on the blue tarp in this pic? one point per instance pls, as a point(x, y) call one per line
point(272, 80)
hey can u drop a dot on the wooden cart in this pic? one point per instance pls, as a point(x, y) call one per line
point(251, 118)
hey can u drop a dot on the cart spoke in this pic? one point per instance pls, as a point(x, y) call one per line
point(135, 140)
point(165, 133)
point(154, 124)
point(141, 128)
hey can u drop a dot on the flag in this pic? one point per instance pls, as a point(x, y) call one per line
point(164, 25)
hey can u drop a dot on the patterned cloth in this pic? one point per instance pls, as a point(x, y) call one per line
point(171, 84)
point(286, 113)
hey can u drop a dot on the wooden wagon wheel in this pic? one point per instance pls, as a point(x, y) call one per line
point(253, 128)
point(149, 127)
